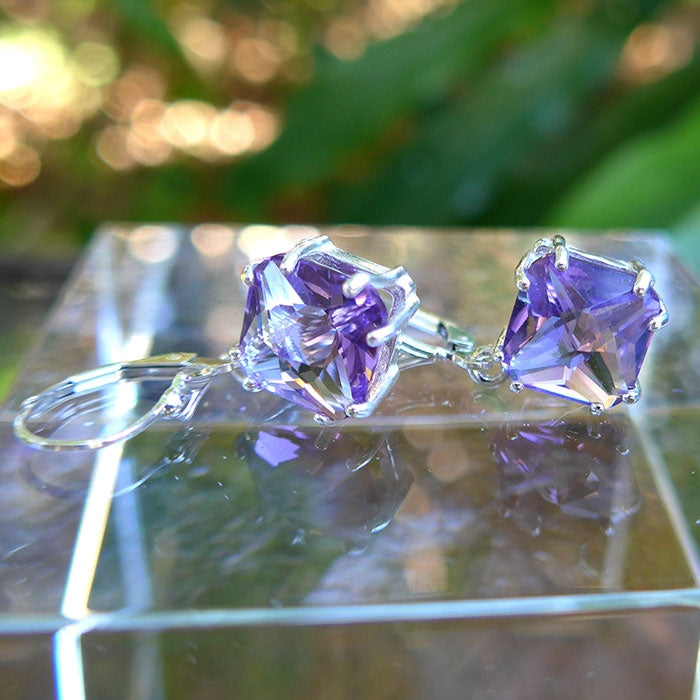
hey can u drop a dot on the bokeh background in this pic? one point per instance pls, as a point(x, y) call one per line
point(421, 112)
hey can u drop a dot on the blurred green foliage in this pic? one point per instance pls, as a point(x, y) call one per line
point(505, 113)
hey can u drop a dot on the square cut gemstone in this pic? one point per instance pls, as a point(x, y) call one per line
point(303, 340)
point(581, 333)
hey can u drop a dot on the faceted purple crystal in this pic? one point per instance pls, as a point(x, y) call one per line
point(302, 339)
point(581, 333)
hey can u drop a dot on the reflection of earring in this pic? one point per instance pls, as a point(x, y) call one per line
point(580, 327)
point(560, 463)
point(344, 483)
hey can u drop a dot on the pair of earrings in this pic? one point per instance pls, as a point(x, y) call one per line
point(330, 331)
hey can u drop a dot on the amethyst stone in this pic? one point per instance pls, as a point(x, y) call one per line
point(302, 339)
point(580, 333)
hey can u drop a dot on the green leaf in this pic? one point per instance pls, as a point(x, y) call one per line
point(143, 17)
point(652, 181)
point(351, 104)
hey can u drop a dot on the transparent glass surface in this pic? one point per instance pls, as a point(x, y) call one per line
point(458, 529)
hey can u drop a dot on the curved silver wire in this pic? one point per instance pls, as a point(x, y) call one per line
point(190, 377)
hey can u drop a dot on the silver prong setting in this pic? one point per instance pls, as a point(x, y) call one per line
point(643, 282)
point(355, 284)
point(248, 274)
point(516, 387)
point(597, 408)
point(632, 395)
point(302, 249)
point(234, 355)
point(561, 253)
point(660, 320)
point(249, 384)
point(322, 419)
point(376, 395)
point(397, 322)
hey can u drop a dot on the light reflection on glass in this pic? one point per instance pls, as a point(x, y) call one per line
point(258, 240)
point(568, 467)
point(153, 244)
point(212, 240)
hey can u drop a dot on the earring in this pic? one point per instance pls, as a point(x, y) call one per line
point(330, 332)
point(324, 329)
point(580, 328)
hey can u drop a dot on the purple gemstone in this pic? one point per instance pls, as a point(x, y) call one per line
point(581, 333)
point(302, 339)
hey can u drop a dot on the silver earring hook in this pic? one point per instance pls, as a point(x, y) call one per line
point(190, 376)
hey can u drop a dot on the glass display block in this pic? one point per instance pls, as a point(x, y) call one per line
point(459, 528)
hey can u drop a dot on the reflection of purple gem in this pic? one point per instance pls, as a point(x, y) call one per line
point(560, 463)
point(302, 339)
point(348, 486)
point(581, 333)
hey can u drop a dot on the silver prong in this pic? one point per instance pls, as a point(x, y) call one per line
point(643, 281)
point(396, 323)
point(633, 395)
point(660, 320)
point(501, 340)
point(357, 282)
point(597, 408)
point(322, 419)
point(516, 387)
point(521, 280)
point(249, 384)
point(248, 274)
point(234, 355)
point(354, 284)
point(304, 247)
point(377, 394)
point(561, 253)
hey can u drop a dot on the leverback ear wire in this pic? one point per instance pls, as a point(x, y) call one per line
point(190, 379)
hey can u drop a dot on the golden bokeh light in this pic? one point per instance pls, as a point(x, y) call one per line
point(203, 40)
point(95, 63)
point(256, 60)
point(259, 240)
point(232, 132)
point(8, 133)
point(654, 50)
point(20, 167)
point(186, 123)
point(111, 147)
point(137, 83)
point(266, 125)
point(48, 90)
point(346, 38)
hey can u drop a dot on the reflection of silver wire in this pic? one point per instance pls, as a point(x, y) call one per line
point(182, 448)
